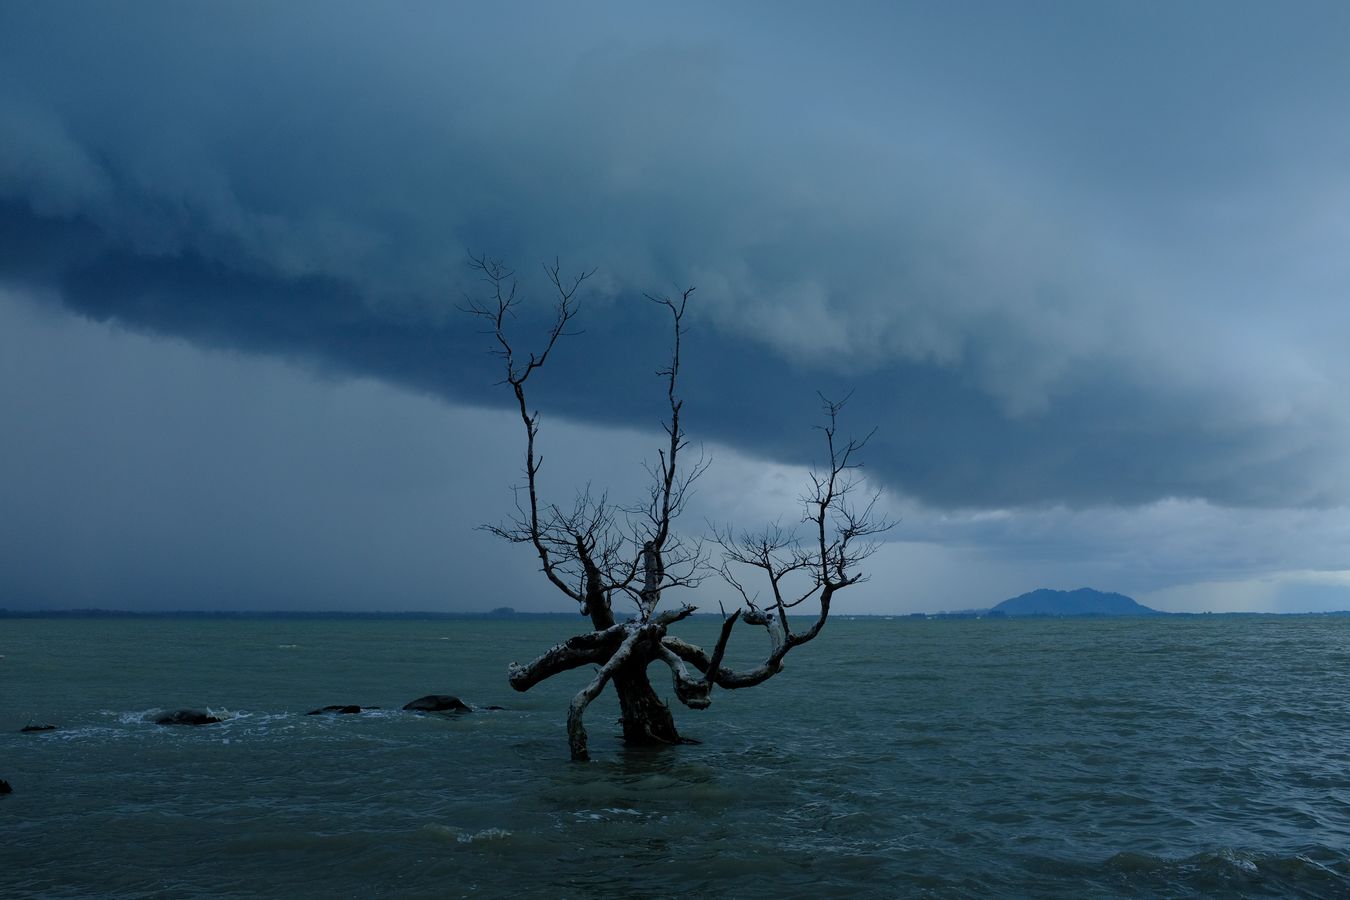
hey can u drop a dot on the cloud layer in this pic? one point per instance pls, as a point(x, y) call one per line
point(1073, 260)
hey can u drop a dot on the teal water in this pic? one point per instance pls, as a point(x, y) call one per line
point(1194, 757)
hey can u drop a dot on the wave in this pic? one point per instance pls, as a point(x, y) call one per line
point(238, 718)
point(1315, 871)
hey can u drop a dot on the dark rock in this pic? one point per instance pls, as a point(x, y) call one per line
point(341, 710)
point(438, 703)
point(187, 717)
point(29, 729)
point(5, 788)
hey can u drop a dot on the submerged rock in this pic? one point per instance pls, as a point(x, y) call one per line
point(348, 709)
point(5, 788)
point(187, 717)
point(438, 703)
point(29, 729)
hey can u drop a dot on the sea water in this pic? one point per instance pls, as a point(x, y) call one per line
point(1178, 757)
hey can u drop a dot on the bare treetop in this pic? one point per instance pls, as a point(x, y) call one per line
point(595, 552)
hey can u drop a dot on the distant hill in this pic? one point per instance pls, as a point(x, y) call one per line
point(1082, 602)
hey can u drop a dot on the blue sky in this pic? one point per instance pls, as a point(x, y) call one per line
point(1081, 264)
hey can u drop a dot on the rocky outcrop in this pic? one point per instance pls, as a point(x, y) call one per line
point(29, 729)
point(187, 717)
point(5, 788)
point(347, 710)
point(438, 703)
point(1082, 602)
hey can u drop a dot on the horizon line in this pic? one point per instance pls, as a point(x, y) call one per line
point(509, 613)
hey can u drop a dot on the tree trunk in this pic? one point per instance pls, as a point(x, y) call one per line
point(646, 720)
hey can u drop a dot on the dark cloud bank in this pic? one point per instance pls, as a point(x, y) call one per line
point(942, 439)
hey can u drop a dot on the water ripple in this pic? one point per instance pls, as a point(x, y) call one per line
point(1058, 759)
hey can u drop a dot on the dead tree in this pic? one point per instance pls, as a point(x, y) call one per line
point(599, 554)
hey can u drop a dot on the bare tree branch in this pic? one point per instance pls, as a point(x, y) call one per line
point(692, 692)
point(576, 731)
point(499, 305)
point(583, 649)
point(828, 562)
point(667, 561)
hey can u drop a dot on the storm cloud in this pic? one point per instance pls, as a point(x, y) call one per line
point(1074, 261)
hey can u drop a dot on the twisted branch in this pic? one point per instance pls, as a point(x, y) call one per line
point(593, 648)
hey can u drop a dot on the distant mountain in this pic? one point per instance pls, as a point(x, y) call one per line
point(1082, 602)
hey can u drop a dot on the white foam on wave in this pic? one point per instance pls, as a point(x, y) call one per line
point(338, 720)
point(461, 836)
point(1237, 860)
point(368, 712)
point(487, 834)
point(249, 718)
point(77, 733)
point(609, 813)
